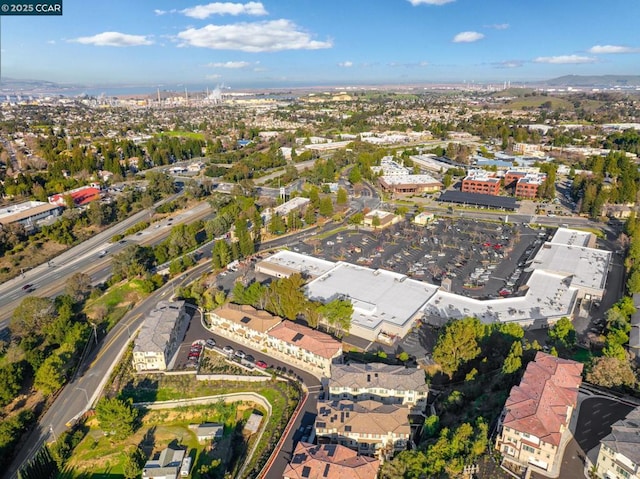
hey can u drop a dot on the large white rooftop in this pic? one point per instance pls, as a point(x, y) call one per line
point(377, 295)
point(301, 263)
point(571, 237)
point(410, 180)
point(588, 266)
point(549, 296)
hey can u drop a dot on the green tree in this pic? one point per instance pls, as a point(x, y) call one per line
point(457, 344)
point(337, 314)
point(326, 207)
point(133, 463)
point(116, 417)
point(375, 222)
point(513, 362)
point(134, 260)
point(431, 426)
point(563, 333)
point(309, 216)
point(10, 382)
point(50, 376)
point(245, 242)
point(276, 225)
point(355, 175)
point(342, 197)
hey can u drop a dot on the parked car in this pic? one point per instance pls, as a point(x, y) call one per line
point(194, 355)
point(249, 358)
point(211, 342)
point(240, 354)
point(261, 364)
point(227, 350)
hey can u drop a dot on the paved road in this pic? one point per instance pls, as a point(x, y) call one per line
point(86, 257)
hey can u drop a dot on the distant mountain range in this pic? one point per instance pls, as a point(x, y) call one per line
point(595, 81)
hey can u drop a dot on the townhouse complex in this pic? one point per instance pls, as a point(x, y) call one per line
point(534, 424)
point(329, 460)
point(619, 454)
point(160, 336)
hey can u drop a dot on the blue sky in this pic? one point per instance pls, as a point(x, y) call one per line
point(289, 42)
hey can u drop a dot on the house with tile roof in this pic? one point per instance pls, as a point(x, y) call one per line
point(160, 336)
point(305, 345)
point(243, 320)
point(619, 454)
point(534, 423)
point(369, 427)
point(380, 382)
point(329, 460)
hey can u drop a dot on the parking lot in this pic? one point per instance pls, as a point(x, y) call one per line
point(481, 259)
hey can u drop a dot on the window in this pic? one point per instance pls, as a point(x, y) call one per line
point(528, 448)
point(622, 472)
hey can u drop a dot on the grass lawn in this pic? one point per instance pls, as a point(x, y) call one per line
point(115, 302)
point(185, 134)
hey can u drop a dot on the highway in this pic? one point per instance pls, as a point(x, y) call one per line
point(49, 279)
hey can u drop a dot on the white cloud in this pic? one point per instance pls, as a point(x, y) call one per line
point(347, 64)
point(114, 39)
point(498, 26)
point(230, 65)
point(415, 3)
point(565, 60)
point(159, 12)
point(508, 64)
point(468, 37)
point(219, 8)
point(604, 49)
point(268, 36)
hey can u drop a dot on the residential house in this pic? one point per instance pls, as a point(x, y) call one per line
point(329, 461)
point(209, 432)
point(535, 420)
point(166, 466)
point(380, 382)
point(243, 320)
point(306, 345)
point(369, 427)
point(619, 455)
point(160, 336)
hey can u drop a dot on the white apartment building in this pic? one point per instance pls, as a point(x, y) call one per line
point(619, 455)
point(160, 336)
point(380, 382)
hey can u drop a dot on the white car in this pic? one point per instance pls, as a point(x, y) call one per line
point(227, 350)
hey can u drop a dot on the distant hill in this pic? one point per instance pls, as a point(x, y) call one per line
point(595, 81)
point(28, 86)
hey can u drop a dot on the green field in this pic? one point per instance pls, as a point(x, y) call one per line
point(184, 134)
point(537, 102)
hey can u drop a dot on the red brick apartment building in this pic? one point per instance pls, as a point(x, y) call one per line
point(535, 420)
point(482, 182)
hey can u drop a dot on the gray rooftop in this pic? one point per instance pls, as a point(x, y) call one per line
point(588, 266)
point(376, 295)
point(377, 375)
point(301, 263)
point(625, 436)
point(571, 237)
point(157, 327)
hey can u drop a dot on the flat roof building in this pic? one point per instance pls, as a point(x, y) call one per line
point(481, 181)
point(410, 184)
point(28, 214)
point(285, 263)
point(385, 304)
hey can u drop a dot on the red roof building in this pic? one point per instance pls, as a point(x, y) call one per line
point(81, 196)
point(328, 461)
point(537, 412)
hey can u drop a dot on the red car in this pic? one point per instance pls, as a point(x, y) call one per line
point(261, 364)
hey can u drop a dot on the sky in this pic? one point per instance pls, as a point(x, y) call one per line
point(273, 43)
